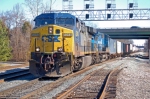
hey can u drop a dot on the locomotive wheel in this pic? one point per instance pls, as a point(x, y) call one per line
point(108, 57)
point(94, 59)
point(77, 64)
point(111, 56)
point(98, 59)
point(72, 68)
point(101, 57)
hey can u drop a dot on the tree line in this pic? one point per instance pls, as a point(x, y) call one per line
point(16, 26)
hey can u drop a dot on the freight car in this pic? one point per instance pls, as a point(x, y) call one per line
point(125, 49)
point(61, 43)
point(112, 48)
point(119, 49)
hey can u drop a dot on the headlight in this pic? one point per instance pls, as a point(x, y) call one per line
point(37, 49)
point(50, 30)
point(59, 49)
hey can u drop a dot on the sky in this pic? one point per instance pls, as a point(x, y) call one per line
point(98, 4)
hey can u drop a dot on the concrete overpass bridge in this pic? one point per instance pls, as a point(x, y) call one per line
point(127, 33)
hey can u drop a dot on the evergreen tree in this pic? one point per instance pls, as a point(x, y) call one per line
point(26, 31)
point(5, 50)
point(26, 28)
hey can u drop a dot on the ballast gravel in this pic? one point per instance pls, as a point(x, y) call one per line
point(37, 85)
point(134, 81)
point(72, 81)
point(9, 84)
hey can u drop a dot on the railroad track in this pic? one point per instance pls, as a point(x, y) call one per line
point(92, 86)
point(9, 76)
point(20, 91)
point(109, 91)
point(13, 67)
point(9, 93)
point(49, 87)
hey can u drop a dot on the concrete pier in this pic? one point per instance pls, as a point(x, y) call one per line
point(149, 55)
point(149, 48)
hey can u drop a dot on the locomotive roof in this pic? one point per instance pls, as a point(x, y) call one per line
point(54, 15)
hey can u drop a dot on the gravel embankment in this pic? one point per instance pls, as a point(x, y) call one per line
point(71, 81)
point(134, 81)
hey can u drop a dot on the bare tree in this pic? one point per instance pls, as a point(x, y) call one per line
point(35, 7)
point(18, 15)
point(14, 17)
point(7, 18)
point(52, 3)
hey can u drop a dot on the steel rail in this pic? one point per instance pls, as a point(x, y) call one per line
point(68, 92)
point(73, 91)
point(8, 92)
point(6, 77)
point(13, 67)
point(109, 90)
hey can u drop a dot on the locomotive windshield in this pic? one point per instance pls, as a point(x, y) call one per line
point(65, 21)
point(58, 21)
point(41, 22)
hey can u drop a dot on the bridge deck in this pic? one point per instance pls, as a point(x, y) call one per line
point(127, 33)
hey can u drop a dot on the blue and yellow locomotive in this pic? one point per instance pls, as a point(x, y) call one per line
point(61, 44)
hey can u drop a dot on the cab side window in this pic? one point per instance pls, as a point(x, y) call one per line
point(57, 31)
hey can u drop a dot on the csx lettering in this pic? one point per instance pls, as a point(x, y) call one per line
point(50, 38)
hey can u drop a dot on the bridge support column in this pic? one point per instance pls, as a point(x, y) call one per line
point(149, 48)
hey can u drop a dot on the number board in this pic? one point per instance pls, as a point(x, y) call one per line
point(35, 34)
point(67, 34)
